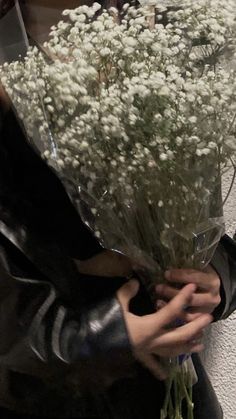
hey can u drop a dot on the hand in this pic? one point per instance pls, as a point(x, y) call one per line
point(149, 334)
point(107, 263)
point(207, 295)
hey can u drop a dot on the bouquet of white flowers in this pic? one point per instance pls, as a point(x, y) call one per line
point(138, 119)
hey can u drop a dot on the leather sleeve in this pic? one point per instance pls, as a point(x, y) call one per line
point(46, 320)
point(40, 334)
point(224, 262)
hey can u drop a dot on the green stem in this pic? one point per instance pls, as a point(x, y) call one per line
point(186, 385)
point(177, 397)
point(167, 400)
point(178, 386)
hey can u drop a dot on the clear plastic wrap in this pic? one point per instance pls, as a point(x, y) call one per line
point(14, 42)
point(139, 124)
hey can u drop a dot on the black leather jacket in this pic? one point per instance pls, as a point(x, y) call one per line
point(64, 349)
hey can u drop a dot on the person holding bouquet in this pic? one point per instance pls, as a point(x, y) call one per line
point(79, 338)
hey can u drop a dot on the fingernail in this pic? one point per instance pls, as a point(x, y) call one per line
point(192, 287)
point(160, 304)
point(210, 318)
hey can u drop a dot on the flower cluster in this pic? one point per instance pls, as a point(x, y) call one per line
point(135, 115)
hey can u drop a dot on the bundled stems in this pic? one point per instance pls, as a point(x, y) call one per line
point(178, 390)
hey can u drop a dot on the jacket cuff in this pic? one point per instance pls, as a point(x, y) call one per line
point(99, 345)
point(220, 263)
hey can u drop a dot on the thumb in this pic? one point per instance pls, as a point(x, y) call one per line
point(127, 292)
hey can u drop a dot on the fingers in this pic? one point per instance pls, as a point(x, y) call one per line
point(150, 335)
point(184, 334)
point(126, 293)
point(188, 348)
point(189, 317)
point(205, 280)
point(172, 310)
point(193, 346)
point(106, 263)
point(199, 300)
point(166, 291)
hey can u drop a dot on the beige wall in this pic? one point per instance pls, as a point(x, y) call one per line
point(220, 354)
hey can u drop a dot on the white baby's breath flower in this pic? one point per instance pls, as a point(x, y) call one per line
point(105, 52)
point(179, 141)
point(193, 119)
point(163, 157)
point(65, 12)
point(164, 91)
point(75, 164)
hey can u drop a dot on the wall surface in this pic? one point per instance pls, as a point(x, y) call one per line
point(220, 353)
